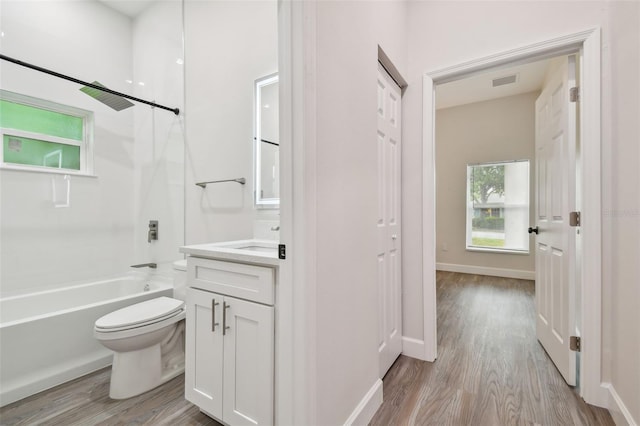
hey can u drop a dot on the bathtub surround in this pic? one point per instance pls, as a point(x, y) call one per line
point(159, 135)
point(99, 228)
point(43, 246)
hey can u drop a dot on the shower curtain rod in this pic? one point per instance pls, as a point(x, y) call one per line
point(176, 111)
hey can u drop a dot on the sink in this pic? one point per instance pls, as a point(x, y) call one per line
point(258, 248)
point(251, 245)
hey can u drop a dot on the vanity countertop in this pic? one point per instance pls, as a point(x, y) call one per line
point(263, 252)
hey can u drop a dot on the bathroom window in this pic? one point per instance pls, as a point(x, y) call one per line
point(498, 207)
point(40, 135)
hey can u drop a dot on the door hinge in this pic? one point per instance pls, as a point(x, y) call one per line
point(574, 94)
point(574, 218)
point(282, 251)
point(574, 343)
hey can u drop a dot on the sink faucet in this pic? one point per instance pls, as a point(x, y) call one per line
point(145, 265)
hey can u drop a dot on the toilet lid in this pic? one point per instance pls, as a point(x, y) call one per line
point(140, 313)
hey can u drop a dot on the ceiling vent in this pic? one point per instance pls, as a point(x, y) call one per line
point(510, 79)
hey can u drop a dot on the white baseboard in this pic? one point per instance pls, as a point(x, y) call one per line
point(45, 380)
point(367, 407)
point(484, 270)
point(413, 348)
point(619, 411)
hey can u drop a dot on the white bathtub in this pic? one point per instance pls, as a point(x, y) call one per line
point(46, 338)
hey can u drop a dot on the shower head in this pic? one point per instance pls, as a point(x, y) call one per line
point(115, 102)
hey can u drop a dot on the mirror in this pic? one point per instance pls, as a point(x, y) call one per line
point(266, 143)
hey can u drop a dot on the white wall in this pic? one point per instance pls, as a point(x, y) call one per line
point(442, 34)
point(42, 245)
point(496, 130)
point(228, 44)
point(348, 34)
point(138, 152)
point(159, 134)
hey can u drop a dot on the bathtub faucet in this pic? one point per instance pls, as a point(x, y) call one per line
point(145, 265)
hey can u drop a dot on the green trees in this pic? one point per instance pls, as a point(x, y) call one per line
point(486, 180)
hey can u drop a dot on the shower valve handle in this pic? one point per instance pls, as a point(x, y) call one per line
point(153, 230)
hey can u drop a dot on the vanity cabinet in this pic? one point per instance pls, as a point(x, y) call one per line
point(229, 372)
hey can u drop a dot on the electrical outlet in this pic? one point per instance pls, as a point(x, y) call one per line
point(445, 247)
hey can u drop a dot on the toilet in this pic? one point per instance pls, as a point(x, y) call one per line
point(147, 340)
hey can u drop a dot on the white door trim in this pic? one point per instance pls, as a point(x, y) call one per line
point(588, 44)
point(295, 360)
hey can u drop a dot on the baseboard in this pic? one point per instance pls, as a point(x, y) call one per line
point(619, 411)
point(16, 392)
point(413, 348)
point(484, 270)
point(367, 407)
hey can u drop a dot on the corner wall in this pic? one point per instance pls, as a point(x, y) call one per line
point(348, 35)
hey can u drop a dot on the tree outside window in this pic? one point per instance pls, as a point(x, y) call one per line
point(498, 206)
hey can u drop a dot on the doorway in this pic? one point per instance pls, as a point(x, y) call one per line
point(587, 45)
point(506, 144)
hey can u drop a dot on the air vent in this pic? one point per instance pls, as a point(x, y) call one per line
point(505, 80)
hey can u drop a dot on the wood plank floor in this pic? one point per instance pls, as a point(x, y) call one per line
point(85, 402)
point(490, 370)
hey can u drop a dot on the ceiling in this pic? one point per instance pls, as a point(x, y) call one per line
point(131, 8)
point(529, 78)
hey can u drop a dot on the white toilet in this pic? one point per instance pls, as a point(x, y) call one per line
point(147, 340)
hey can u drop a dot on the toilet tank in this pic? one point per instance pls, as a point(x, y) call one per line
point(180, 279)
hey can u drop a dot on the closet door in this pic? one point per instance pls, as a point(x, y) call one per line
point(388, 226)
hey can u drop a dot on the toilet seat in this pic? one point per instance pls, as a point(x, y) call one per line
point(140, 314)
point(140, 318)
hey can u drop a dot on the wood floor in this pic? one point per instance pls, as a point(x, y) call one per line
point(86, 402)
point(490, 370)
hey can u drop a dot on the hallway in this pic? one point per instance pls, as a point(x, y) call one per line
point(490, 370)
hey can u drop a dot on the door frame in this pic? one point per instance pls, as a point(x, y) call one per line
point(587, 45)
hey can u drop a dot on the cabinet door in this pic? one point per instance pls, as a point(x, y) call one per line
point(248, 363)
point(204, 351)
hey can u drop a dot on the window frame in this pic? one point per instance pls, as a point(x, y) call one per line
point(469, 210)
point(86, 144)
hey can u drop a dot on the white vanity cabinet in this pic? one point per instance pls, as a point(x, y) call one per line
point(229, 370)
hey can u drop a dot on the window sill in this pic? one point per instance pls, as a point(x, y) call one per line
point(498, 251)
point(46, 171)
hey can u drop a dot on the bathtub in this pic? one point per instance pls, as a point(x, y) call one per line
point(46, 338)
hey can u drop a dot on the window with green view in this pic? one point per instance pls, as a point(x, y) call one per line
point(38, 134)
point(498, 206)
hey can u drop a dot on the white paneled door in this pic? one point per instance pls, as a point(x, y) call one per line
point(555, 199)
point(388, 224)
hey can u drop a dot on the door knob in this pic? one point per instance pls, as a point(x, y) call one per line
point(532, 230)
point(394, 237)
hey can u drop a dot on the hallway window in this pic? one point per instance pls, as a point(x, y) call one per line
point(498, 206)
point(43, 135)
